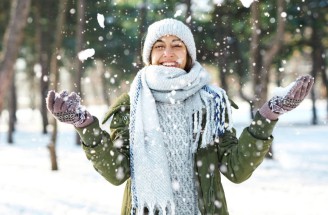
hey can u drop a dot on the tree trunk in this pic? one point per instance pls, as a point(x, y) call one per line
point(260, 65)
point(12, 110)
point(79, 46)
point(105, 89)
point(141, 30)
point(43, 43)
point(52, 150)
point(11, 43)
point(274, 49)
point(322, 60)
point(255, 66)
point(54, 71)
point(324, 76)
point(316, 56)
point(220, 36)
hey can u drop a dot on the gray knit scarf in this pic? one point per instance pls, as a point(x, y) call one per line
point(151, 186)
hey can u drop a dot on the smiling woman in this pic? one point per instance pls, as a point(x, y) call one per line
point(170, 37)
point(172, 136)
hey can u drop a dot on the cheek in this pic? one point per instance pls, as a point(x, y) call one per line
point(183, 56)
point(154, 58)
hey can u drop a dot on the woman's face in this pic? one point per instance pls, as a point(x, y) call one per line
point(169, 51)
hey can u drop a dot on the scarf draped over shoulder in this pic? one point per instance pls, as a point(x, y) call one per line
point(151, 186)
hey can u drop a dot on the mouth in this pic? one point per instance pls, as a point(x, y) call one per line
point(170, 64)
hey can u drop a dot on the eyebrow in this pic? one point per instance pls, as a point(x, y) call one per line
point(174, 40)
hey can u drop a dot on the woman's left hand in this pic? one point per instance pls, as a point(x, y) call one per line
point(287, 98)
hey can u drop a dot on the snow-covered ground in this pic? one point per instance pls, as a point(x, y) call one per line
point(294, 183)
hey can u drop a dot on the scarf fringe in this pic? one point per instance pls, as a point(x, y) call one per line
point(167, 209)
point(217, 107)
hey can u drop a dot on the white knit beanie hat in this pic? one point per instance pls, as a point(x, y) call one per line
point(168, 27)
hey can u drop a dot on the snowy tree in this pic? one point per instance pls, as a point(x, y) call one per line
point(11, 43)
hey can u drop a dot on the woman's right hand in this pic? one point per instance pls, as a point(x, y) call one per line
point(67, 108)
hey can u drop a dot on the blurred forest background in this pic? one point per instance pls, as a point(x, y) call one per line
point(249, 51)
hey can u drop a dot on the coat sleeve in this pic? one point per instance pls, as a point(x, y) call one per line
point(239, 157)
point(109, 153)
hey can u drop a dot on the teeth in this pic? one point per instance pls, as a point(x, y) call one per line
point(168, 64)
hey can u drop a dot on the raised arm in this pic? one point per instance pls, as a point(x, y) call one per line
point(109, 154)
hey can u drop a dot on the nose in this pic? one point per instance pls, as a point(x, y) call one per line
point(168, 52)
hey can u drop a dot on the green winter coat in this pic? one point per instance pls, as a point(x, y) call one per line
point(234, 158)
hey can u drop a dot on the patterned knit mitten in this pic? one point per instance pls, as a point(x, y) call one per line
point(67, 108)
point(287, 98)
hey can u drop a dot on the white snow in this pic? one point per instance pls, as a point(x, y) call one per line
point(101, 20)
point(295, 182)
point(85, 54)
point(283, 91)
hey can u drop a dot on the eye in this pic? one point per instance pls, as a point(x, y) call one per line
point(159, 46)
point(177, 45)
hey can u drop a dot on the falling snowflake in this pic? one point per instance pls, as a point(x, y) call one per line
point(246, 3)
point(178, 13)
point(188, 19)
point(85, 54)
point(101, 20)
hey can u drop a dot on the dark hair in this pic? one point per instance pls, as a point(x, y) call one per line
point(189, 63)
